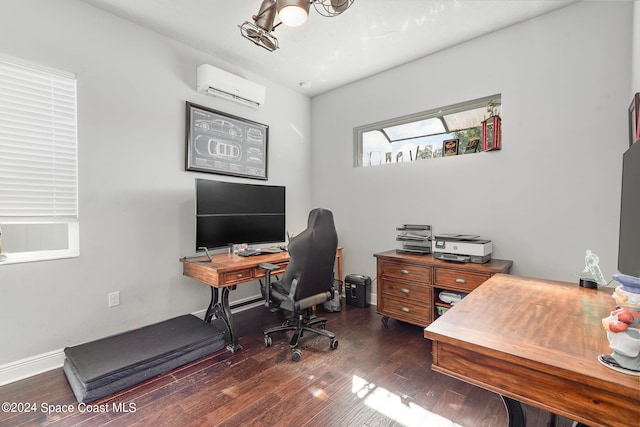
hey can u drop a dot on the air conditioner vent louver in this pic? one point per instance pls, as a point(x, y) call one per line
point(220, 83)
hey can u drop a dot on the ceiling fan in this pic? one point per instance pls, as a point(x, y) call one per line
point(291, 13)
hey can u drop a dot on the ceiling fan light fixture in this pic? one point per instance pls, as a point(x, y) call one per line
point(266, 15)
point(331, 8)
point(293, 13)
point(259, 36)
point(340, 5)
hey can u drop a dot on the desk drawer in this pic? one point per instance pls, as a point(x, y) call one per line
point(238, 276)
point(407, 311)
point(405, 271)
point(406, 291)
point(458, 279)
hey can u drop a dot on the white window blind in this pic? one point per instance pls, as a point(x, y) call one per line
point(38, 142)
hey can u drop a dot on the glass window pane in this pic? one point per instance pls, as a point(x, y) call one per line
point(467, 119)
point(34, 237)
point(374, 148)
point(415, 129)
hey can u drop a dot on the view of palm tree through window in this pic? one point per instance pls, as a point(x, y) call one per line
point(422, 136)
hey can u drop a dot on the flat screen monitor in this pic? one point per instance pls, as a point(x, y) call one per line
point(629, 239)
point(230, 213)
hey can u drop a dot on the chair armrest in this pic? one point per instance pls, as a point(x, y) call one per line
point(311, 301)
point(268, 268)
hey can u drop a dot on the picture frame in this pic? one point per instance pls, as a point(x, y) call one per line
point(492, 134)
point(450, 147)
point(473, 145)
point(224, 144)
point(634, 115)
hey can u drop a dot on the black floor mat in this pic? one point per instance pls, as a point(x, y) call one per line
point(104, 366)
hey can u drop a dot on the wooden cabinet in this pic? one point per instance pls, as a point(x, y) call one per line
point(408, 285)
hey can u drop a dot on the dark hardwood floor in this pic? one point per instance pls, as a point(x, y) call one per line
point(378, 376)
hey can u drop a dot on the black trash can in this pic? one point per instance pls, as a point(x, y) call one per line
point(358, 290)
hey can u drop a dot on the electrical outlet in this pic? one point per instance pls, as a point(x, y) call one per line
point(114, 298)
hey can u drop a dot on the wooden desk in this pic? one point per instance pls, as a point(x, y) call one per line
point(226, 271)
point(537, 341)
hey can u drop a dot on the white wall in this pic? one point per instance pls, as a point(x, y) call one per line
point(635, 69)
point(136, 199)
point(552, 192)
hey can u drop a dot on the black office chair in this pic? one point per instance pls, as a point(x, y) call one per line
point(306, 282)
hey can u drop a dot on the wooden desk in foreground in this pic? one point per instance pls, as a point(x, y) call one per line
point(225, 272)
point(537, 342)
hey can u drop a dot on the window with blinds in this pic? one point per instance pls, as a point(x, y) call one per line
point(38, 162)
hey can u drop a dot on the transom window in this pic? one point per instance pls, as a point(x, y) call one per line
point(422, 136)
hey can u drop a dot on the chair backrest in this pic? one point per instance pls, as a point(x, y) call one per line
point(313, 254)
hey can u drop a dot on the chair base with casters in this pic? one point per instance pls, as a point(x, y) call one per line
point(302, 319)
point(301, 323)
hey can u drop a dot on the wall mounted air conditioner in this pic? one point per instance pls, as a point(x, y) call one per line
point(223, 84)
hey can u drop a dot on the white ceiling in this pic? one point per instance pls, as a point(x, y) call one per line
point(370, 37)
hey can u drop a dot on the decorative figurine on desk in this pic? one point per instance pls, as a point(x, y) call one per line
point(623, 327)
point(591, 276)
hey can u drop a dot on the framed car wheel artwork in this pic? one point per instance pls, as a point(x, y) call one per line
point(224, 144)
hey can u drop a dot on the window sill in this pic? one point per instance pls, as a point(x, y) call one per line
point(21, 257)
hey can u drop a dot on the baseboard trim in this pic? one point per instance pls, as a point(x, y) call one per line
point(30, 366)
point(34, 365)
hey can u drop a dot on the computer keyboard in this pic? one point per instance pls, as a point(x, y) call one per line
point(249, 252)
point(272, 250)
point(259, 251)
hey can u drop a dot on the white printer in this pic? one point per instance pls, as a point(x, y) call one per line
point(461, 248)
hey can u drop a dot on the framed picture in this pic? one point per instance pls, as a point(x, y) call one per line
point(634, 114)
point(472, 146)
point(450, 147)
point(224, 144)
point(492, 134)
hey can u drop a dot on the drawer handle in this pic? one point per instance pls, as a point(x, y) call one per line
point(403, 271)
point(239, 276)
point(461, 280)
point(404, 291)
point(405, 309)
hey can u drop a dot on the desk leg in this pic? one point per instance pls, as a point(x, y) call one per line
point(222, 311)
point(211, 310)
point(514, 412)
point(233, 345)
